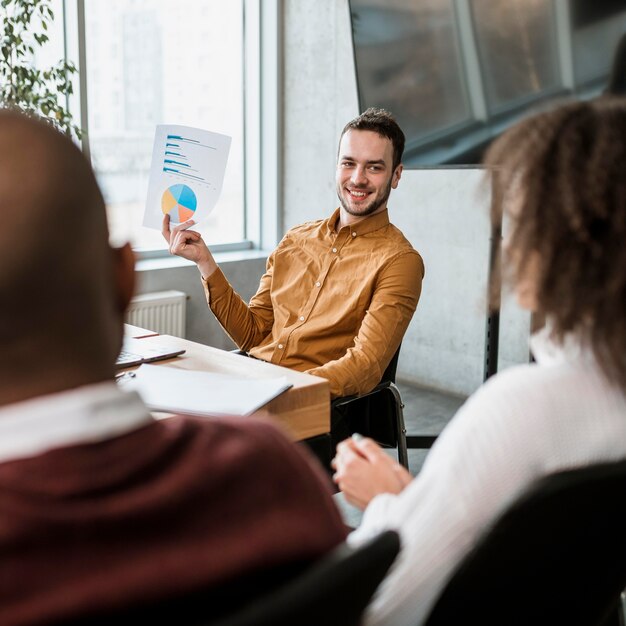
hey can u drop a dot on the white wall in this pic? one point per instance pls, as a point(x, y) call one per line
point(319, 98)
point(444, 213)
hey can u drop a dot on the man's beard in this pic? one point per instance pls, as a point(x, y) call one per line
point(372, 207)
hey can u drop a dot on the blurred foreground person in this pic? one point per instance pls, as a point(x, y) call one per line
point(102, 508)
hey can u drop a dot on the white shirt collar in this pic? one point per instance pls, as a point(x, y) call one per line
point(85, 415)
point(549, 352)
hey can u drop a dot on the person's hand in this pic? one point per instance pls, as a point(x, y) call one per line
point(363, 471)
point(189, 245)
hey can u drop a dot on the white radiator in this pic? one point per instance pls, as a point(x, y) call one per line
point(161, 311)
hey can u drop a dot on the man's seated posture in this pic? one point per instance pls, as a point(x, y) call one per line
point(102, 507)
point(338, 294)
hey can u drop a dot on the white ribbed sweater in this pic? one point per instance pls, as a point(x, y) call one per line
point(525, 422)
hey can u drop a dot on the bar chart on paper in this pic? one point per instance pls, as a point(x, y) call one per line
point(187, 173)
point(179, 202)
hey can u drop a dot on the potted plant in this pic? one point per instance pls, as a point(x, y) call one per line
point(35, 91)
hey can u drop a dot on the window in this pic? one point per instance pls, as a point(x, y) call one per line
point(186, 62)
point(594, 38)
point(456, 73)
point(412, 57)
point(517, 48)
point(151, 62)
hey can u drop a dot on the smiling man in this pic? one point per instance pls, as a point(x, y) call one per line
point(339, 293)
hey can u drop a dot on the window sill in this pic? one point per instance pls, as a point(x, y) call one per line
point(222, 258)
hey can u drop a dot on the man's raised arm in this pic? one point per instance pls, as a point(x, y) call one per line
point(245, 325)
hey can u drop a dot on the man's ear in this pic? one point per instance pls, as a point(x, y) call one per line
point(124, 275)
point(395, 179)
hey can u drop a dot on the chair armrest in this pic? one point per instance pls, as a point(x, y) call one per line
point(342, 401)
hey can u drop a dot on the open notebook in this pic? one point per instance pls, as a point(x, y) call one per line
point(177, 390)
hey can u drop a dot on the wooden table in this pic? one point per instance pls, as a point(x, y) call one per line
point(304, 409)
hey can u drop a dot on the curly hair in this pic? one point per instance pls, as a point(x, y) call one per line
point(567, 171)
point(382, 122)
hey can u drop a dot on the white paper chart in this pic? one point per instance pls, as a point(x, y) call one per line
point(187, 173)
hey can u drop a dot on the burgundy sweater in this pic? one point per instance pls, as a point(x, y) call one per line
point(169, 509)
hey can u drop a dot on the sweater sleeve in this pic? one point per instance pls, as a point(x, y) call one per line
point(490, 451)
point(295, 515)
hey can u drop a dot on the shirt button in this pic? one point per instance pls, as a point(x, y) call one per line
point(354, 234)
point(302, 318)
point(318, 284)
point(334, 249)
point(280, 346)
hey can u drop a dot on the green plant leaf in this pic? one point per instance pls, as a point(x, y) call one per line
point(37, 92)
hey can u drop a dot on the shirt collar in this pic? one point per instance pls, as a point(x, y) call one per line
point(85, 415)
point(547, 351)
point(369, 225)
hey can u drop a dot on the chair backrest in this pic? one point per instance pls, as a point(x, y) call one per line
point(556, 556)
point(389, 375)
point(333, 592)
point(373, 414)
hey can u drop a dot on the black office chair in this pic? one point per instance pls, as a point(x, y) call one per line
point(377, 414)
point(556, 556)
point(334, 592)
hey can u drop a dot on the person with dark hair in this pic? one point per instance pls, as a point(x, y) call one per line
point(339, 293)
point(103, 508)
point(617, 79)
point(382, 123)
point(560, 178)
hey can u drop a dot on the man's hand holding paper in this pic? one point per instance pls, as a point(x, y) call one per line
point(189, 245)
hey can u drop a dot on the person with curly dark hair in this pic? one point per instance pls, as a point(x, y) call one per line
point(566, 252)
point(559, 176)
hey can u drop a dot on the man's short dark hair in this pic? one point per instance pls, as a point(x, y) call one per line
point(383, 123)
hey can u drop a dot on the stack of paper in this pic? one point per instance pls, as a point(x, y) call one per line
point(203, 393)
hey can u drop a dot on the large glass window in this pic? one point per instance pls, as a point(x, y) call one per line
point(517, 47)
point(408, 60)
point(594, 42)
point(162, 61)
point(456, 73)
